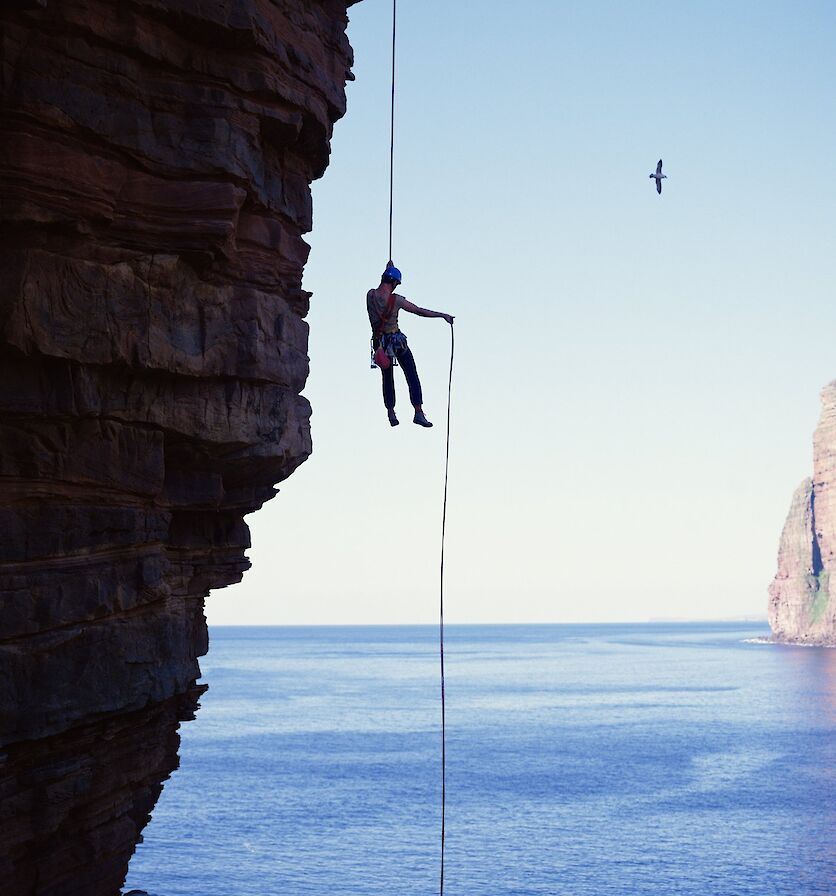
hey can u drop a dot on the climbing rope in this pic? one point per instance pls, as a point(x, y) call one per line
point(446, 469)
point(392, 127)
point(441, 616)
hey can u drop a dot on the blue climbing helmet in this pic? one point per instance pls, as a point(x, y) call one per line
point(391, 273)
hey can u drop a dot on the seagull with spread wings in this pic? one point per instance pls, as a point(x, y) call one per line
point(658, 176)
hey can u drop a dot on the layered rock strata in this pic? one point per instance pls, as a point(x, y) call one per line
point(802, 597)
point(155, 166)
point(105, 774)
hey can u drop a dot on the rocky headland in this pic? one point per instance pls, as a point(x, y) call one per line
point(156, 159)
point(802, 601)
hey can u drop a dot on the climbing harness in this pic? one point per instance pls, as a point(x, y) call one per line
point(392, 344)
point(381, 356)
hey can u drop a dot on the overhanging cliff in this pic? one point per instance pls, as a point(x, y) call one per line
point(802, 600)
point(156, 159)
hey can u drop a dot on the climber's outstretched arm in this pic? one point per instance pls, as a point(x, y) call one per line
point(425, 312)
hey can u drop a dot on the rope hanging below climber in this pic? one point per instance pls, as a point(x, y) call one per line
point(390, 349)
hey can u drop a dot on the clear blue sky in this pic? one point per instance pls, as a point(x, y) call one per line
point(637, 377)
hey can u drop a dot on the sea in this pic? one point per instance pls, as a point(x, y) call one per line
point(581, 760)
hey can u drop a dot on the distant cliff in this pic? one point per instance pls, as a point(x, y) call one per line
point(802, 597)
point(155, 166)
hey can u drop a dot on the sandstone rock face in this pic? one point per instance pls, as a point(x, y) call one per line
point(802, 603)
point(155, 166)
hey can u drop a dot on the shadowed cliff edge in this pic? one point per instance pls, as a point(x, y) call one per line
point(156, 159)
point(802, 602)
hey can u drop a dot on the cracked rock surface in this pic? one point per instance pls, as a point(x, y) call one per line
point(156, 158)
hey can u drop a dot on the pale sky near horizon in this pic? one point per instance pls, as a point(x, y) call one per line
point(636, 378)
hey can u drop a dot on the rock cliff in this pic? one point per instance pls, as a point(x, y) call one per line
point(802, 604)
point(155, 166)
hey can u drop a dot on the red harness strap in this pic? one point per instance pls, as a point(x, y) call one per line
point(390, 307)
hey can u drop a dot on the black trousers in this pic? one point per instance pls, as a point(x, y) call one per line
point(407, 364)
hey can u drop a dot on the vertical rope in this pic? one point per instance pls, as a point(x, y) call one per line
point(441, 618)
point(392, 128)
point(446, 471)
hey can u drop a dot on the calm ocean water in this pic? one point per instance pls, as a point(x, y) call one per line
point(607, 759)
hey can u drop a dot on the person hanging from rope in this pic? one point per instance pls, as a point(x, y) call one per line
point(383, 305)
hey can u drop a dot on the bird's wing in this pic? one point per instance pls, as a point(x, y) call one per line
point(659, 186)
point(659, 167)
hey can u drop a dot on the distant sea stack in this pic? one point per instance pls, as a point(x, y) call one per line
point(156, 158)
point(802, 597)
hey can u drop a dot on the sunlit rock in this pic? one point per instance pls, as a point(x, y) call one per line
point(802, 601)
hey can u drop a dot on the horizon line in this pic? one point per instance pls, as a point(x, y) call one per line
point(726, 620)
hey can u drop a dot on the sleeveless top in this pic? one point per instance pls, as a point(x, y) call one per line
point(376, 306)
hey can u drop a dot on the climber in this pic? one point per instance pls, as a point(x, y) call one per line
point(383, 305)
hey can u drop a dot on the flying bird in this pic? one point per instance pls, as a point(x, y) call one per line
point(658, 176)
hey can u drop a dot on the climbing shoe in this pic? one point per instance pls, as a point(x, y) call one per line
point(420, 419)
point(393, 420)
